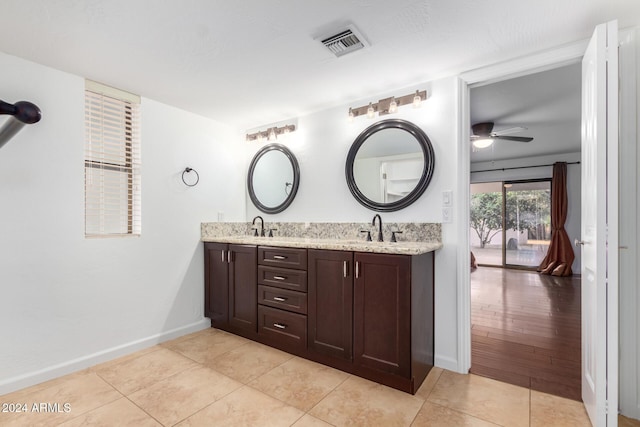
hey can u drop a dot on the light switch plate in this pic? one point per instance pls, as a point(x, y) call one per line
point(220, 216)
point(446, 215)
point(447, 198)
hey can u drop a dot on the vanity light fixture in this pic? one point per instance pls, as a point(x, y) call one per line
point(393, 106)
point(388, 105)
point(417, 100)
point(371, 112)
point(271, 133)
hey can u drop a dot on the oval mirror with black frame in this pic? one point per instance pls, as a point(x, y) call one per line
point(390, 165)
point(273, 179)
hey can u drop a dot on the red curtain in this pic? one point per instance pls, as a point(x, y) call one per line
point(560, 255)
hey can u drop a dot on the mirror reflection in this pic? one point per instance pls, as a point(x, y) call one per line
point(389, 165)
point(273, 178)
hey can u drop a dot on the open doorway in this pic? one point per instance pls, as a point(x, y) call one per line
point(525, 327)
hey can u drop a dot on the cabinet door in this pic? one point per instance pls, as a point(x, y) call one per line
point(330, 303)
point(243, 288)
point(382, 313)
point(216, 291)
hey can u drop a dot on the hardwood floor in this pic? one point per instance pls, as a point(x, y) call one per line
point(525, 329)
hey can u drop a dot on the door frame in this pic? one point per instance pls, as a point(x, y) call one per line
point(537, 62)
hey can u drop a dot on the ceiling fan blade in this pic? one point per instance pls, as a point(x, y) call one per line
point(515, 129)
point(514, 138)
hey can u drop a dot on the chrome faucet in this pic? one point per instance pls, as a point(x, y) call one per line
point(261, 226)
point(380, 239)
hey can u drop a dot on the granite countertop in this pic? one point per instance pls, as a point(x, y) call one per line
point(401, 247)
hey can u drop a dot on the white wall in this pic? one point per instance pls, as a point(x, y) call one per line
point(572, 225)
point(321, 143)
point(67, 302)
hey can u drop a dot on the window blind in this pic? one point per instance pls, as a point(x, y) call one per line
point(112, 162)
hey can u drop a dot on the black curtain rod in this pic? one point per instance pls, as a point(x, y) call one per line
point(21, 113)
point(522, 167)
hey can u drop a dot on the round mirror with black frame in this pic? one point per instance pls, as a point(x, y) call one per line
point(389, 165)
point(273, 179)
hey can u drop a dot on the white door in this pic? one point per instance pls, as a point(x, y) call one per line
point(600, 226)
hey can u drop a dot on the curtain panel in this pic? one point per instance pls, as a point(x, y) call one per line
point(560, 255)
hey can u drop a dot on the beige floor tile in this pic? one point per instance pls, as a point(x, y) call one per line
point(19, 395)
point(245, 407)
point(429, 383)
point(135, 374)
point(175, 341)
point(548, 410)
point(74, 395)
point(309, 421)
point(433, 415)
point(179, 396)
point(206, 347)
point(249, 361)
point(299, 382)
point(360, 402)
point(483, 398)
point(121, 413)
point(125, 358)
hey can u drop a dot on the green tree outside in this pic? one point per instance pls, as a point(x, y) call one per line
point(527, 211)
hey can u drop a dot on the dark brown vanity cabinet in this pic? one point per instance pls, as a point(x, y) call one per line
point(231, 287)
point(282, 298)
point(370, 314)
point(330, 318)
point(393, 318)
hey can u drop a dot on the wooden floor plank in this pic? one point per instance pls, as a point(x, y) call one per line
point(526, 330)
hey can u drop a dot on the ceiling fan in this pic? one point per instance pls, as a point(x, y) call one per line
point(483, 135)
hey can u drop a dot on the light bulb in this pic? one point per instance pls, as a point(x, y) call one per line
point(417, 100)
point(370, 111)
point(393, 106)
point(272, 134)
point(482, 143)
point(351, 116)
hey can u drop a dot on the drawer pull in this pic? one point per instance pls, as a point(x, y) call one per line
point(279, 278)
point(280, 326)
point(279, 257)
point(279, 299)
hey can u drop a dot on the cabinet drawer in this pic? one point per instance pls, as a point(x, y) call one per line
point(283, 257)
point(283, 298)
point(283, 327)
point(295, 280)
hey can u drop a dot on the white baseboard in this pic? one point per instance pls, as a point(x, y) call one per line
point(448, 363)
point(32, 378)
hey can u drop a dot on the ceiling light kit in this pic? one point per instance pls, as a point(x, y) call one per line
point(388, 105)
point(270, 134)
point(484, 136)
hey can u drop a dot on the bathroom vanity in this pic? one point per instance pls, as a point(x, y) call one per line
point(362, 307)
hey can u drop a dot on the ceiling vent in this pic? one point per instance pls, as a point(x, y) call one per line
point(345, 42)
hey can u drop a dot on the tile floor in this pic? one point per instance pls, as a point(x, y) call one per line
point(212, 378)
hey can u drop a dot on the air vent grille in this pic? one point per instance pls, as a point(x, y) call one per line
point(345, 42)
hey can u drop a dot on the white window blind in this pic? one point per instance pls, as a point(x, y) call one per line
point(112, 162)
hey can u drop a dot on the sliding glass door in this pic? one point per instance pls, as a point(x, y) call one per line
point(528, 222)
point(510, 222)
point(486, 234)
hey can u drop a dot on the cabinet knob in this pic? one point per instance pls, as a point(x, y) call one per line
point(280, 326)
point(279, 299)
point(279, 278)
point(280, 257)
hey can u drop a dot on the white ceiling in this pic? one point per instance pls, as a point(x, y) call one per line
point(547, 104)
point(250, 63)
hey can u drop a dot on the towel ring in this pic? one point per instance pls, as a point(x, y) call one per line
point(189, 170)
